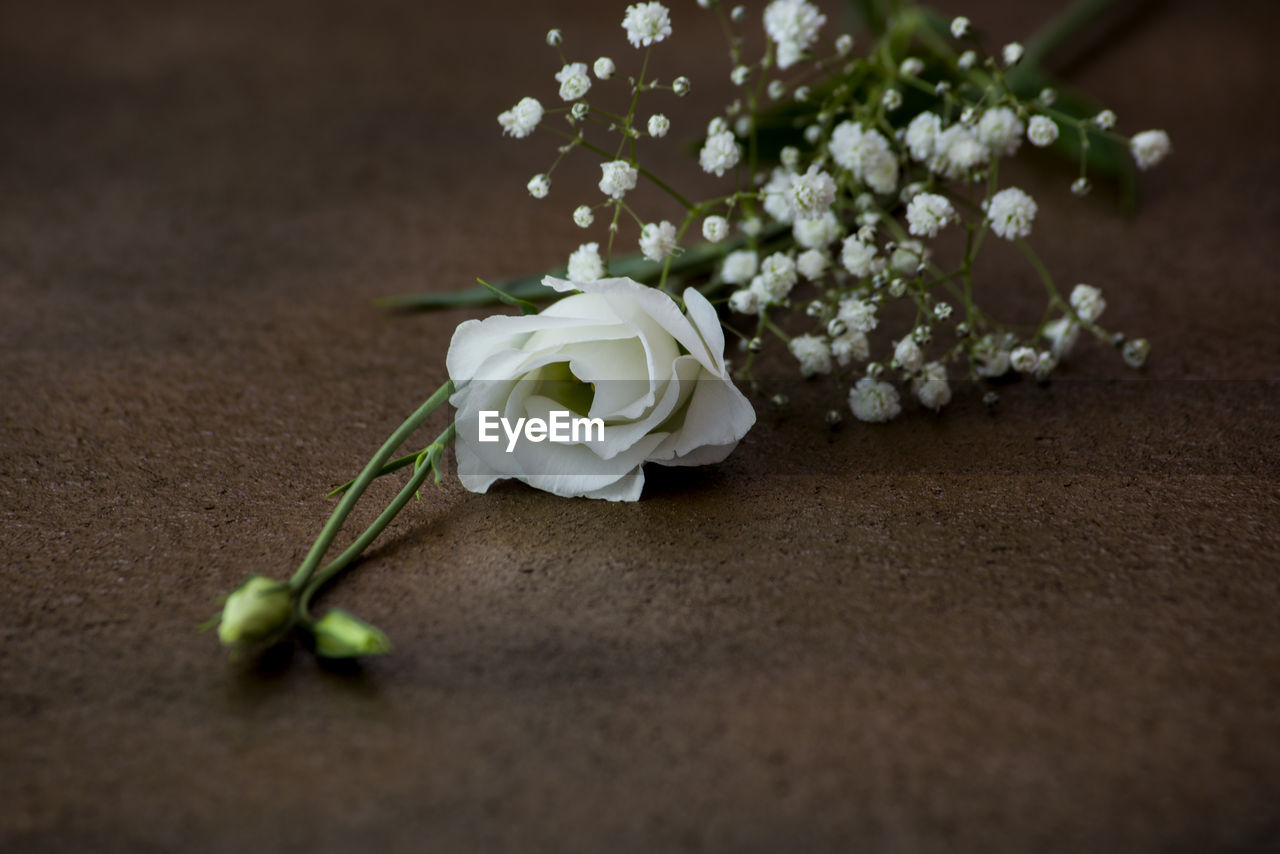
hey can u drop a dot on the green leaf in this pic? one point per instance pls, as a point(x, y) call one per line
point(525, 306)
point(699, 260)
point(520, 287)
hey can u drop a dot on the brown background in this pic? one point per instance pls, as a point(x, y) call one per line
point(1052, 629)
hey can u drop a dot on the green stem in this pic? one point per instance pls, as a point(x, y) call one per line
point(684, 226)
point(371, 471)
point(1041, 271)
point(657, 182)
point(631, 113)
point(434, 451)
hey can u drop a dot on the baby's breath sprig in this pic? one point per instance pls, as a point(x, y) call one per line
point(841, 188)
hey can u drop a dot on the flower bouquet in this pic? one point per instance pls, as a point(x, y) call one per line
point(856, 191)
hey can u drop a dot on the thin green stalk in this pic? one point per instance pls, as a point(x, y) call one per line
point(635, 101)
point(1054, 297)
point(657, 182)
point(371, 471)
point(684, 226)
point(434, 451)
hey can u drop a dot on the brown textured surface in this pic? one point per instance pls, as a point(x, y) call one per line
point(1055, 629)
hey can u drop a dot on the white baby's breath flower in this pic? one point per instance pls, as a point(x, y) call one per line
point(1088, 302)
point(657, 240)
point(719, 154)
point(1000, 130)
point(776, 279)
point(776, 89)
point(585, 264)
point(1061, 335)
point(1136, 351)
point(617, 176)
point(604, 68)
point(751, 226)
point(989, 359)
point(776, 193)
point(856, 256)
point(866, 154)
point(739, 267)
point(1045, 363)
point(793, 26)
point(744, 301)
point(739, 75)
point(928, 213)
point(911, 67)
point(855, 315)
point(717, 125)
point(681, 86)
point(812, 263)
point(957, 150)
point(1012, 53)
point(959, 26)
point(874, 401)
point(1042, 131)
point(583, 216)
point(844, 44)
point(1105, 119)
point(520, 120)
point(659, 125)
point(931, 386)
point(1150, 147)
point(715, 228)
point(849, 347)
point(539, 185)
point(646, 24)
point(1011, 213)
point(921, 135)
point(880, 166)
point(554, 38)
point(1023, 360)
point(816, 233)
point(907, 256)
point(812, 352)
point(811, 194)
point(573, 80)
point(966, 60)
point(908, 354)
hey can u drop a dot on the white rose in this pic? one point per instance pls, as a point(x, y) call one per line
point(618, 351)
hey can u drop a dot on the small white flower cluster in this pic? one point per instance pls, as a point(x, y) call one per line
point(658, 240)
point(617, 177)
point(522, 119)
point(646, 24)
point(845, 217)
point(720, 153)
point(793, 27)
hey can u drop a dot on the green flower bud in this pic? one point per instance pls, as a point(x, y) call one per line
point(258, 609)
point(340, 635)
